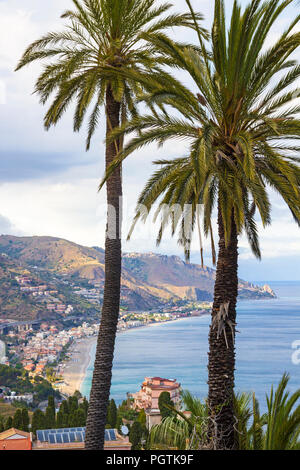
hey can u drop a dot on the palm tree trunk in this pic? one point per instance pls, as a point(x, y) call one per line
point(99, 397)
point(221, 353)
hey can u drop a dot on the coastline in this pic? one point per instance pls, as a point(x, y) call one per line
point(74, 371)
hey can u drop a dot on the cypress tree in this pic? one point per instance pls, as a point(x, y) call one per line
point(1, 424)
point(17, 419)
point(25, 420)
point(50, 413)
point(135, 435)
point(73, 404)
point(77, 418)
point(84, 406)
point(8, 423)
point(142, 417)
point(38, 421)
point(163, 400)
point(112, 414)
point(60, 419)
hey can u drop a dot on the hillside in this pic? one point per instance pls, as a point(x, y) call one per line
point(16, 304)
point(13, 304)
point(148, 280)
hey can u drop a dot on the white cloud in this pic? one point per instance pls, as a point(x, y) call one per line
point(62, 200)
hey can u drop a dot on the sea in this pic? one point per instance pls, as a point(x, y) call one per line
point(268, 344)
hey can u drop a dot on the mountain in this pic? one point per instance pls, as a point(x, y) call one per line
point(148, 280)
point(18, 304)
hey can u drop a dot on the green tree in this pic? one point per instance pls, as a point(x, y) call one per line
point(135, 435)
point(9, 423)
point(18, 420)
point(142, 417)
point(50, 414)
point(38, 421)
point(84, 406)
point(80, 418)
point(87, 63)
point(2, 426)
point(60, 419)
point(242, 129)
point(25, 420)
point(277, 429)
point(77, 394)
point(112, 414)
point(73, 404)
point(164, 402)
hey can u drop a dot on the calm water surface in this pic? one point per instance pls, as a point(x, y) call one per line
point(179, 349)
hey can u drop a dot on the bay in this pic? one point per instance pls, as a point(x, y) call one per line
point(179, 349)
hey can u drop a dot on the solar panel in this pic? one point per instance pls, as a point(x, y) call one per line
point(112, 434)
point(40, 436)
point(79, 436)
point(67, 435)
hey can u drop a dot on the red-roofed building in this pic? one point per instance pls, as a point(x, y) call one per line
point(147, 397)
point(13, 439)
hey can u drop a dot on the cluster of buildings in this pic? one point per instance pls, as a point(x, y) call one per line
point(45, 294)
point(134, 320)
point(58, 439)
point(148, 395)
point(93, 295)
point(45, 346)
point(9, 396)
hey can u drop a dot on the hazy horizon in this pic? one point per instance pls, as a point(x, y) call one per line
point(48, 183)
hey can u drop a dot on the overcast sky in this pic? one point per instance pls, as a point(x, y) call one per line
point(48, 183)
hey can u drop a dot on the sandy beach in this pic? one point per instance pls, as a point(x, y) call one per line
point(73, 371)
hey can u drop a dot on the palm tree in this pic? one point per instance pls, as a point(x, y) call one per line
point(241, 125)
point(180, 430)
point(102, 39)
point(277, 429)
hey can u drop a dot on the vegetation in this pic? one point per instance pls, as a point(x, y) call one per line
point(103, 39)
point(18, 419)
point(112, 415)
point(165, 404)
point(135, 435)
point(241, 123)
point(277, 429)
point(17, 379)
point(72, 413)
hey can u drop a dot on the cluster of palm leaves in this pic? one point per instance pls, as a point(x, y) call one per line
point(277, 429)
point(242, 137)
point(239, 119)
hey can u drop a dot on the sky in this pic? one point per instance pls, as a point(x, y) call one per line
point(48, 183)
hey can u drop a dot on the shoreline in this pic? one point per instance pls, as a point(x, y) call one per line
point(74, 371)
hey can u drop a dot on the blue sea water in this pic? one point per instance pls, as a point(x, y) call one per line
point(179, 349)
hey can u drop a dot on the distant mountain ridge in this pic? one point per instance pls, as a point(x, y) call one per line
point(148, 279)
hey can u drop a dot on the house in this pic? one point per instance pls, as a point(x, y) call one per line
point(28, 397)
point(13, 439)
point(73, 439)
point(147, 397)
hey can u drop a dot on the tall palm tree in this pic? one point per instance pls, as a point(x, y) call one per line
point(101, 40)
point(277, 429)
point(241, 123)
